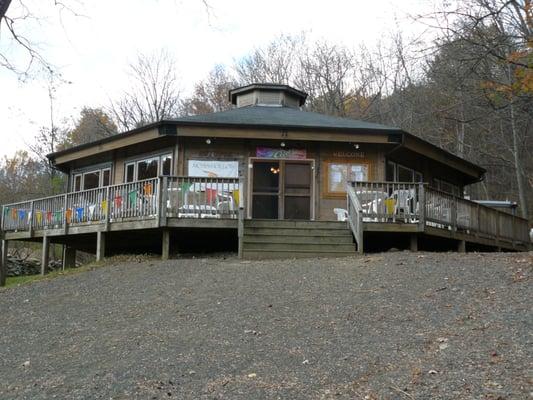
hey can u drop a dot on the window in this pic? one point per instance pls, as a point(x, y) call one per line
point(130, 172)
point(77, 183)
point(91, 180)
point(148, 168)
point(398, 173)
point(446, 187)
point(339, 174)
point(166, 164)
point(106, 177)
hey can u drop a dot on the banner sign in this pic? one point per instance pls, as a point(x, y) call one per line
point(214, 169)
point(292, 154)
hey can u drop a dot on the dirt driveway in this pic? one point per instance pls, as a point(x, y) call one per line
point(386, 326)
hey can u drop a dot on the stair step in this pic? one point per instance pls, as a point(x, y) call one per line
point(297, 231)
point(269, 254)
point(316, 247)
point(266, 223)
point(296, 239)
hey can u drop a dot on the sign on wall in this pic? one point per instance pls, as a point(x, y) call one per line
point(292, 154)
point(213, 169)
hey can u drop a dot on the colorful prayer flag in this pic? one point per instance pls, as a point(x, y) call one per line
point(236, 196)
point(39, 216)
point(14, 212)
point(68, 215)
point(210, 195)
point(104, 206)
point(79, 214)
point(118, 201)
point(148, 188)
point(22, 214)
point(91, 211)
point(49, 216)
point(132, 197)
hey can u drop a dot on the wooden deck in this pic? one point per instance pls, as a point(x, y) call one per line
point(172, 203)
point(416, 209)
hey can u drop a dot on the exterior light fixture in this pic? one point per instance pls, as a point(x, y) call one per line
point(282, 144)
point(356, 145)
point(208, 141)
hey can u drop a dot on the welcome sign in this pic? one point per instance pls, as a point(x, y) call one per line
point(292, 154)
point(214, 169)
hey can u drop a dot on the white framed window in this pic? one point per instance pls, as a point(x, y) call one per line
point(149, 167)
point(91, 179)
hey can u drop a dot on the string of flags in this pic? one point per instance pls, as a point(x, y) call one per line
point(75, 214)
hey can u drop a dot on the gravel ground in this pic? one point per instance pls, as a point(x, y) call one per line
point(385, 326)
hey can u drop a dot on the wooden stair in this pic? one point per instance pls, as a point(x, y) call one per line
point(289, 239)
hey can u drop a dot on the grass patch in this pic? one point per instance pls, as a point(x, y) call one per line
point(26, 279)
point(124, 258)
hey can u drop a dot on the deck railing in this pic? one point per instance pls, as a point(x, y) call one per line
point(355, 216)
point(182, 197)
point(199, 197)
point(416, 203)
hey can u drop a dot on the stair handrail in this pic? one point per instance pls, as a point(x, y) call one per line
point(355, 216)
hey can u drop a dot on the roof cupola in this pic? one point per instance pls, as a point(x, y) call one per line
point(268, 95)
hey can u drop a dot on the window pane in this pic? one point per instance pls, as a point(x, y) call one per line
point(77, 183)
point(91, 180)
point(130, 172)
point(166, 164)
point(337, 177)
point(147, 169)
point(405, 174)
point(266, 177)
point(106, 178)
point(390, 174)
point(359, 173)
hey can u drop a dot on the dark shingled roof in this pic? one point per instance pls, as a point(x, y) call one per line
point(281, 117)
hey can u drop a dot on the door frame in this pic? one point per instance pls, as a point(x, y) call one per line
point(312, 193)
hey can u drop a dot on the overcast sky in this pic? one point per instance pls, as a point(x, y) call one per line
point(92, 50)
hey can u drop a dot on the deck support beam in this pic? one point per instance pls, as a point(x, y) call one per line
point(69, 257)
point(3, 262)
point(461, 246)
point(165, 244)
point(413, 242)
point(45, 255)
point(100, 245)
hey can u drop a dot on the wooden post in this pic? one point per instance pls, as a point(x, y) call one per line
point(165, 244)
point(65, 205)
point(107, 210)
point(454, 213)
point(240, 216)
point(162, 196)
point(240, 230)
point(69, 257)
point(413, 242)
point(3, 262)
point(45, 255)
point(100, 245)
point(461, 246)
point(421, 208)
point(30, 228)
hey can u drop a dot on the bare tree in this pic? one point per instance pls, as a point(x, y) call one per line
point(211, 94)
point(26, 54)
point(154, 93)
point(275, 63)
